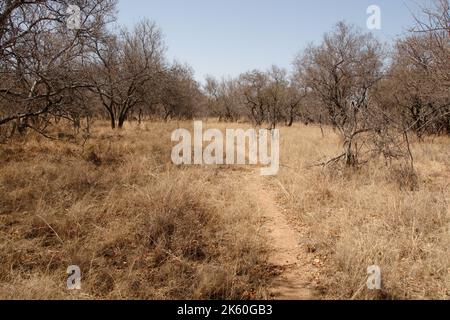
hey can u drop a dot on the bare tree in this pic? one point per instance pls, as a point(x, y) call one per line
point(284, 96)
point(223, 98)
point(41, 58)
point(342, 73)
point(420, 77)
point(253, 86)
point(269, 97)
point(123, 65)
point(180, 96)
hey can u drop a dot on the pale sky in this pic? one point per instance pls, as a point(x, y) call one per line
point(228, 37)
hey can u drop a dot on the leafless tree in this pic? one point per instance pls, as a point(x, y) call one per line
point(419, 83)
point(343, 73)
point(181, 97)
point(123, 65)
point(253, 85)
point(284, 96)
point(223, 98)
point(41, 58)
point(269, 97)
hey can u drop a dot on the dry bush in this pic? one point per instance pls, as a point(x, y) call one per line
point(393, 218)
point(405, 176)
point(137, 226)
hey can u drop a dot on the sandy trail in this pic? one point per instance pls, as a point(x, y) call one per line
point(286, 254)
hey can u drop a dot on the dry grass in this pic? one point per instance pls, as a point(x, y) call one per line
point(377, 215)
point(141, 228)
point(138, 227)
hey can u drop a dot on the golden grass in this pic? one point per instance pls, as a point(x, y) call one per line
point(138, 227)
point(141, 228)
point(372, 216)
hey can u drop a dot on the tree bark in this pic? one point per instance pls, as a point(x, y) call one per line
point(121, 122)
point(113, 120)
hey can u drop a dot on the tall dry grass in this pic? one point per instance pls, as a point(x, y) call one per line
point(377, 215)
point(141, 228)
point(137, 226)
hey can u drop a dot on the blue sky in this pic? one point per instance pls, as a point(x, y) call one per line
point(228, 37)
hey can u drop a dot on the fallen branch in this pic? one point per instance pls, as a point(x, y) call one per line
point(326, 163)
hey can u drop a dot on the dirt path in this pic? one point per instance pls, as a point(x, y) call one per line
point(286, 254)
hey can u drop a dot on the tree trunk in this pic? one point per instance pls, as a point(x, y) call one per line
point(121, 121)
point(113, 120)
point(351, 158)
point(291, 121)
